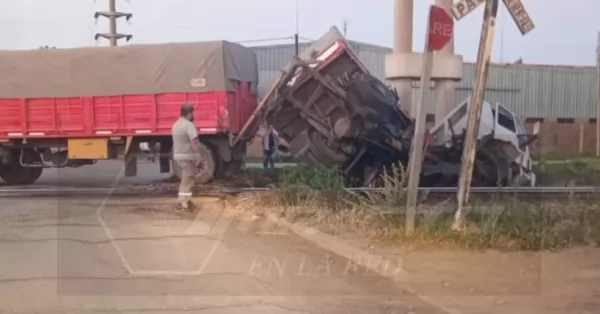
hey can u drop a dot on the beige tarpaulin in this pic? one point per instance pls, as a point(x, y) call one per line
point(127, 70)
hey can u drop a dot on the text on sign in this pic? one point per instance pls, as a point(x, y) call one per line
point(519, 15)
point(442, 29)
point(464, 7)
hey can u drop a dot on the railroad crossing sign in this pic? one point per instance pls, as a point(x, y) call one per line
point(525, 25)
point(441, 28)
point(515, 8)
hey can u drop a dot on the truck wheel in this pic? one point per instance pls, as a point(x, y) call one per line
point(207, 168)
point(321, 153)
point(226, 169)
point(15, 174)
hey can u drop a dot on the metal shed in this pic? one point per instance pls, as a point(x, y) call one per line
point(537, 91)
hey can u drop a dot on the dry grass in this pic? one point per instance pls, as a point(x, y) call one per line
point(379, 216)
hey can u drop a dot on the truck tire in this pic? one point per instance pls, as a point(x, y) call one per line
point(321, 154)
point(208, 167)
point(227, 169)
point(15, 174)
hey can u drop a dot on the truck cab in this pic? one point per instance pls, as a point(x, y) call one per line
point(502, 135)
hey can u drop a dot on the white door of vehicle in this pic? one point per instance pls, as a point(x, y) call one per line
point(525, 158)
point(522, 134)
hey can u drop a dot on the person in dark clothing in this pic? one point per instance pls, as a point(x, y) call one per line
point(269, 141)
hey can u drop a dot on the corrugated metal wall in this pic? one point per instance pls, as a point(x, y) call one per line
point(530, 91)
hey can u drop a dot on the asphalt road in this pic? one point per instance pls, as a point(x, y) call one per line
point(102, 174)
point(134, 256)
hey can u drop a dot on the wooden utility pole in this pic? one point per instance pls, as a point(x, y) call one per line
point(112, 15)
point(440, 31)
point(475, 106)
point(416, 149)
point(525, 25)
point(598, 97)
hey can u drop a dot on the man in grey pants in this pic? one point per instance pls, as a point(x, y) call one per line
point(187, 154)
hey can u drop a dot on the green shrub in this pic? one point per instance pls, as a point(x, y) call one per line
point(568, 172)
point(317, 178)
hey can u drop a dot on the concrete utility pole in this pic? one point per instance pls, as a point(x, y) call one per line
point(112, 15)
point(297, 24)
point(598, 97)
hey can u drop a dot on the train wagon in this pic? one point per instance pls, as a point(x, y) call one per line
point(73, 107)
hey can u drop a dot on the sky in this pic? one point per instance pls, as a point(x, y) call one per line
point(564, 34)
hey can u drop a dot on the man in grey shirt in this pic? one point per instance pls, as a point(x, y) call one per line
point(187, 155)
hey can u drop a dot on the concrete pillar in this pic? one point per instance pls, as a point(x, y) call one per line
point(403, 26)
point(445, 89)
point(403, 42)
point(404, 66)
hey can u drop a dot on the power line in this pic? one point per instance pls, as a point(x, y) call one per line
point(112, 15)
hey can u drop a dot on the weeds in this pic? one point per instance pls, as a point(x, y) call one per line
point(390, 194)
point(315, 196)
point(318, 178)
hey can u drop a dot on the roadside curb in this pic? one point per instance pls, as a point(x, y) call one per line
point(359, 256)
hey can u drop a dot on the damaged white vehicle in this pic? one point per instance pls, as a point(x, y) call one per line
point(503, 153)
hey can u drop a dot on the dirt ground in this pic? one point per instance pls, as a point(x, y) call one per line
point(128, 256)
point(485, 281)
point(492, 282)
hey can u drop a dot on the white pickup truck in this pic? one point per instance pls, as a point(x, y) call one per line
point(503, 155)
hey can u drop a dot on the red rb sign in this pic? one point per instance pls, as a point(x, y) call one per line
point(441, 28)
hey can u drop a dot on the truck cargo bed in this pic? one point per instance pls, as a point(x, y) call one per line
point(122, 115)
point(129, 90)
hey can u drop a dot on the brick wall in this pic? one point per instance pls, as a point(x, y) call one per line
point(564, 136)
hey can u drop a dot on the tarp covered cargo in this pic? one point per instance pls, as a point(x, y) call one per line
point(135, 69)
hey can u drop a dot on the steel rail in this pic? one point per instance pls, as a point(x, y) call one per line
point(505, 190)
point(142, 191)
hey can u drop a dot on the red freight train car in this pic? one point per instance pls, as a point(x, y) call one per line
point(71, 107)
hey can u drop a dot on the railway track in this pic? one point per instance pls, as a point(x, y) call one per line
point(153, 191)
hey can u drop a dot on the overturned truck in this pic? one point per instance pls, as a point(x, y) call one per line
point(332, 112)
